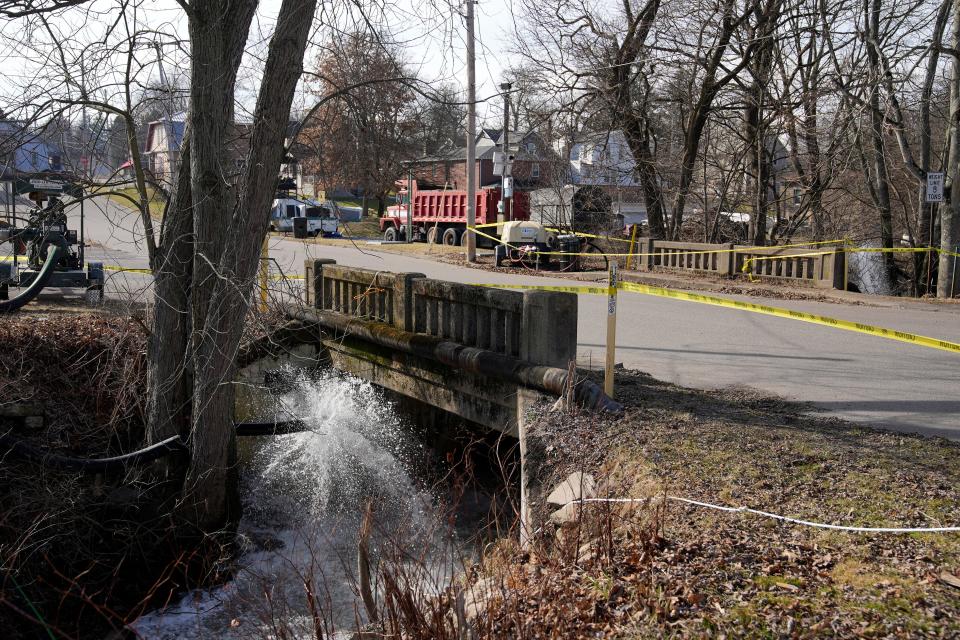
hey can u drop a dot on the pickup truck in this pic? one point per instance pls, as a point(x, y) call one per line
point(321, 216)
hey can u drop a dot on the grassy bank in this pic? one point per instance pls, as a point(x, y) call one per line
point(157, 202)
point(671, 569)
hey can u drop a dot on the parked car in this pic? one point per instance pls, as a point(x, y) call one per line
point(321, 216)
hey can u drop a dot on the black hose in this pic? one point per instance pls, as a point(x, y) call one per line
point(46, 458)
point(51, 460)
point(57, 249)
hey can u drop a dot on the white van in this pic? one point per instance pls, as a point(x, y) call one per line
point(321, 217)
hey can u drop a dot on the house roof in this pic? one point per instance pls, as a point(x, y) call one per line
point(25, 150)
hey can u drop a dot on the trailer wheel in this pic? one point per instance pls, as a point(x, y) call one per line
point(451, 237)
point(432, 235)
point(390, 235)
point(463, 238)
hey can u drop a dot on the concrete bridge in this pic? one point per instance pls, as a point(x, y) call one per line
point(472, 351)
point(483, 354)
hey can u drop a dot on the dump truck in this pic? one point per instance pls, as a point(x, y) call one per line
point(440, 215)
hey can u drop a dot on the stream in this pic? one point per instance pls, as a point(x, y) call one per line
point(304, 496)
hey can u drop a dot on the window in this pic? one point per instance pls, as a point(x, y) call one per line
point(797, 196)
point(292, 210)
point(531, 147)
point(535, 171)
point(575, 153)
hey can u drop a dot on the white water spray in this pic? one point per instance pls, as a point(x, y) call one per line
point(304, 495)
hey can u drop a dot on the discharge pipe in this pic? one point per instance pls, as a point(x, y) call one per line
point(553, 380)
point(56, 249)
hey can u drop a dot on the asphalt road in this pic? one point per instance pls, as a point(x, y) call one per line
point(862, 378)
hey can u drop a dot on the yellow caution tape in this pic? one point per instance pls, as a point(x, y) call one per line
point(846, 325)
point(126, 269)
point(890, 334)
point(603, 291)
point(635, 254)
point(627, 240)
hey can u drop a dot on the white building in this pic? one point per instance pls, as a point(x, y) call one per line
point(602, 159)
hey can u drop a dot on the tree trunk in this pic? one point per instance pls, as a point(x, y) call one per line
point(211, 247)
point(224, 283)
point(882, 185)
point(169, 374)
point(950, 212)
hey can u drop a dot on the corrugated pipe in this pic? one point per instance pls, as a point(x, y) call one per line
point(553, 380)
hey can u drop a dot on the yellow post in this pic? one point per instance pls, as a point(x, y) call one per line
point(633, 243)
point(611, 330)
point(264, 271)
point(846, 263)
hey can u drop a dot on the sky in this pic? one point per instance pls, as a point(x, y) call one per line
point(429, 31)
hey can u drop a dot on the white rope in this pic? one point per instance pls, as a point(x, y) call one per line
point(766, 514)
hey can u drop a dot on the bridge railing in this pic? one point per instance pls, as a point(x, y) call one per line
point(537, 326)
point(691, 256)
point(825, 270)
point(477, 316)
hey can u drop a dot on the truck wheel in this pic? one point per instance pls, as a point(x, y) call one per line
point(390, 235)
point(432, 235)
point(451, 237)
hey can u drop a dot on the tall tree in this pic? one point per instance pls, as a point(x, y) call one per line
point(205, 276)
point(363, 134)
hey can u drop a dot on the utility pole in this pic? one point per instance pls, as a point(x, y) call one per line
point(471, 138)
point(507, 185)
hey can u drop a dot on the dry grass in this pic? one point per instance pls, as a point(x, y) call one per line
point(716, 573)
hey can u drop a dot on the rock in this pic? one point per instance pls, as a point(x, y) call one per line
point(577, 486)
point(475, 597)
point(565, 514)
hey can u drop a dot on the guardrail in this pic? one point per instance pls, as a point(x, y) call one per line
point(468, 314)
point(536, 326)
point(824, 268)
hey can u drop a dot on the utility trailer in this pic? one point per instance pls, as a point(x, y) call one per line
point(440, 215)
point(38, 250)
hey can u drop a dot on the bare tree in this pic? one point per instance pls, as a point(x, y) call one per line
point(361, 133)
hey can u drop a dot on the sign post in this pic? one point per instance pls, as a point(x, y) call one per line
point(611, 331)
point(933, 195)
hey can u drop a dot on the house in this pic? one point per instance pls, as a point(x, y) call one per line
point(25, 150)
point(534, 163)
point(603, 159)
point(165, 138)
point(161, 154)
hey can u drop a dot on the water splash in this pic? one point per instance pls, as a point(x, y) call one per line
point(868, 272)
point(304, 494)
